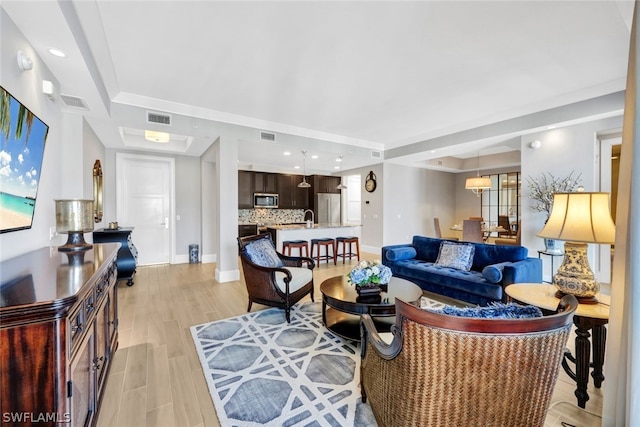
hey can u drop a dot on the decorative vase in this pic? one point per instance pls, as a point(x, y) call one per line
point(552, 246)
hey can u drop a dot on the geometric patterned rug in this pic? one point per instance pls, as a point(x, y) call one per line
point(262, 371)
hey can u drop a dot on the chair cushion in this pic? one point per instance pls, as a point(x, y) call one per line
point(262, 253)
point(400, 254)
point(300, 277)
point(494, 310)
point(456, 255)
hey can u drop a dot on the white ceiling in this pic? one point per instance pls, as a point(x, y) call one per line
point(332, 78)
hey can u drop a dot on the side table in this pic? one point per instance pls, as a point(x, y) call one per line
point(552, 255)
point(127, 254)
point(588, 317)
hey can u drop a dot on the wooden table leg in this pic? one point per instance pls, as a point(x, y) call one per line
point(583, 358)
point(599, 340)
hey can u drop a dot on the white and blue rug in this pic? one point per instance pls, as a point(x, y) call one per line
point(262, 371)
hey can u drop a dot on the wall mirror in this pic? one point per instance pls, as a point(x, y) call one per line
point(97, 191)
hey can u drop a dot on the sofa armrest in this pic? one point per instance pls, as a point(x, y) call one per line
point(526, 271)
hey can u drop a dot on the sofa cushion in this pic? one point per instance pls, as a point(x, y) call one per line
point(456, 255)
point(400, 254)
point(300, 277)
point(262, 253)
point(494, 310)
point(427, 248)
point(492, 254)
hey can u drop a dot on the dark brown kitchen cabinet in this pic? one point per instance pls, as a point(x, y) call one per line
point(265, 182)
point(59, 332)
point(245, 190)
point(247, 230)
point(325, 184)
point(291, 196)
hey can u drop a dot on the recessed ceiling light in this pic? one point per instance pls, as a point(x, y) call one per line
point(287, 153)
point(339, 159)
point(57, 52)
point(296, 167)
point(551, 127)
point(336, 167)
point(314, 156)
point(153, 136)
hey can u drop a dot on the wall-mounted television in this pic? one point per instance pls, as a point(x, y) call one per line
point(22, 140)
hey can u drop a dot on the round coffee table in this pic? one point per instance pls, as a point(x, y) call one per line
point(342, 306)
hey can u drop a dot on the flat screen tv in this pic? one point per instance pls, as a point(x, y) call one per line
point(22, 139)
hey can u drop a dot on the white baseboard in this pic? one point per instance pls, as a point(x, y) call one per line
point(227, 276)
point(371, 250)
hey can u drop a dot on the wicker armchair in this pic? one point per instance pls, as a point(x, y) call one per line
point(443, 370)
point(276, 286)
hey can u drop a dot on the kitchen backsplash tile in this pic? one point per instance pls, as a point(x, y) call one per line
point(269, 216)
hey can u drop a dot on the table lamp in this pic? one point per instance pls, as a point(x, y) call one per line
point(578, 219)
point(74, 217)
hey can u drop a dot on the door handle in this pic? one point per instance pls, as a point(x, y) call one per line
point(166, 222)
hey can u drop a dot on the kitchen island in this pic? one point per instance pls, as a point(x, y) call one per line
point(318, 231)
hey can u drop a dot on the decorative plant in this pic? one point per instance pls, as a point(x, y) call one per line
point(541, 190)
point(370, 273)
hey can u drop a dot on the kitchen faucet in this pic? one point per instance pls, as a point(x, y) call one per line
point(305, 215)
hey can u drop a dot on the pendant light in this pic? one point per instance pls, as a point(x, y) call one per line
point(304, 183)
point(478, 184)
point(341, 186)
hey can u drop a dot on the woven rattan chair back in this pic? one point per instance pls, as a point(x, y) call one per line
point(443, 370)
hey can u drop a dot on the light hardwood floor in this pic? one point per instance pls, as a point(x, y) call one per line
point(156, 378)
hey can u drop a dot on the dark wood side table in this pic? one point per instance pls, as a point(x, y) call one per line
point(552, 255)
point(588, 317)
point(127, 255)
point(342, 306)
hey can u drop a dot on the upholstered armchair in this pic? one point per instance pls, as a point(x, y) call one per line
point(272, 278)
point(444, 370)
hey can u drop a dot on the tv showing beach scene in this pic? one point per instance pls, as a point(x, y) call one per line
point(22, 140)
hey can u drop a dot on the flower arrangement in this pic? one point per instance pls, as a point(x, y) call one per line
point(541, 190)
point(369, 273)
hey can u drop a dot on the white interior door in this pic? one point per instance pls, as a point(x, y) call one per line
point(144, 201)
point(602, 267)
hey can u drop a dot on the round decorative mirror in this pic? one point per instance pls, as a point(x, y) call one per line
point(97, 191)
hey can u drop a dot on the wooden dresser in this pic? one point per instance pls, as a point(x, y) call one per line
point(58, 334)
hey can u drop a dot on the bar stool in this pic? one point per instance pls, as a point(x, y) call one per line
point(287, 245)
point(327, 242)
point(350, 241)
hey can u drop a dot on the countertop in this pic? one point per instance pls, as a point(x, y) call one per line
point(315, 226)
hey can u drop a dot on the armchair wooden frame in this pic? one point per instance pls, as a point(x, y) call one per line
point(261, 281)
point(442, 370)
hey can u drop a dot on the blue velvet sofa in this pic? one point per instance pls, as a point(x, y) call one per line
point(493, 268)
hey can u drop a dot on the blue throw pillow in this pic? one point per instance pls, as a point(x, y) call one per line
point(493, 272)
point(456, 255)
point(262, 253)
point(496, 310)
point(400, 254)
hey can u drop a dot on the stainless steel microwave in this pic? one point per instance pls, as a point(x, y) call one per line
point(265, 200)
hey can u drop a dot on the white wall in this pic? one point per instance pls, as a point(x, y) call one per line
point(26, 86)
point(413, 197)
point(567, 149)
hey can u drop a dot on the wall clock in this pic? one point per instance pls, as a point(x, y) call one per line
point(370, 182)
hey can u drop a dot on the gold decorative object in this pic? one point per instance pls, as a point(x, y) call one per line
point(74, 217)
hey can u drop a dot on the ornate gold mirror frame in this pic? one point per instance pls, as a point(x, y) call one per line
point(97, 191)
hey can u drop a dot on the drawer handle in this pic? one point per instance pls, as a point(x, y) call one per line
point(89, 308)
point(76, 328)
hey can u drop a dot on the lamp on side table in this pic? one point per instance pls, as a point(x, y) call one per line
point(579, 218)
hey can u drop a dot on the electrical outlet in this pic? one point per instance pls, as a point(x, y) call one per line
point(52, 233)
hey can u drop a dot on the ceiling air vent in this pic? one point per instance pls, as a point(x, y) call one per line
point(73, 101)
point(440, 162)
point(159, 118)
point(376, 155)
point(267, 136)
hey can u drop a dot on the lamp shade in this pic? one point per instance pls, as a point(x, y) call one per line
point(477, 183)
point(74, 215)
point(580, 217)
